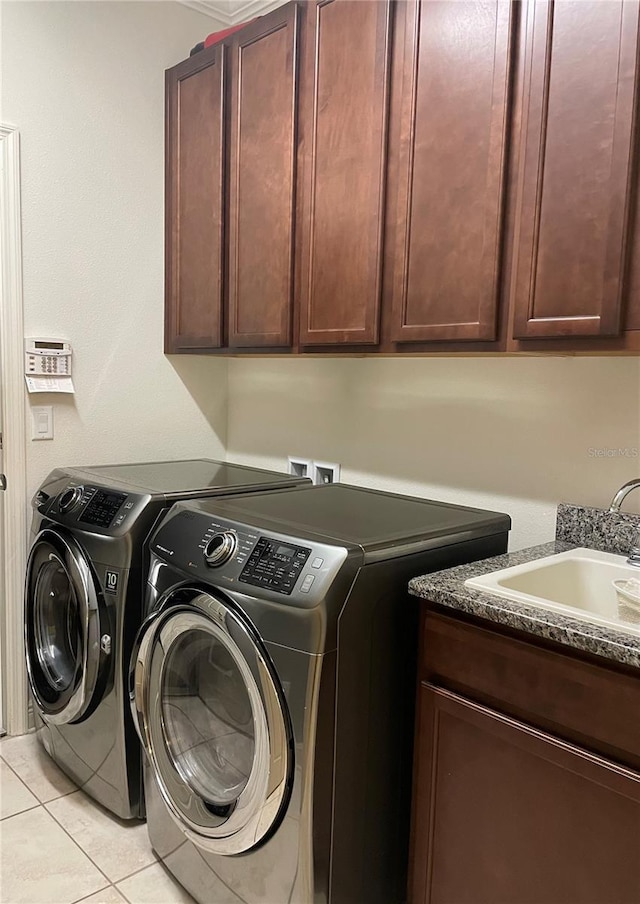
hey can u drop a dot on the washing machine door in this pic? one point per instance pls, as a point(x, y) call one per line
point(64, 623)
point(214, 723)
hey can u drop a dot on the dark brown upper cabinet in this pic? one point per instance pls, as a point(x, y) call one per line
point(262, 180)
point(344, 86)
point(194, 195)
point(230, 190)
point(354, 176)
point(452, 141)
point(580, 74)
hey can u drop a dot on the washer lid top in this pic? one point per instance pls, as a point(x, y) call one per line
point(372, 519)
point(184, 478)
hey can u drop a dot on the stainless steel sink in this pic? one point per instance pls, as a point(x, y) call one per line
point(578, 583)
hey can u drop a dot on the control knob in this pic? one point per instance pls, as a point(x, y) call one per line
point(70, 498)
point(220, 548)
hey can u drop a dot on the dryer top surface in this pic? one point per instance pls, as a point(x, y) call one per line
point(180, 479)
point(349, 515)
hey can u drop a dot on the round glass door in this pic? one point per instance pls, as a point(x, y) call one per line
point(62, 628)
point(56, 627)
point(208, 719)
point(215, 725)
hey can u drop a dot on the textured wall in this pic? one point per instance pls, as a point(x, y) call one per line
point(84, 83)
point(514, 434)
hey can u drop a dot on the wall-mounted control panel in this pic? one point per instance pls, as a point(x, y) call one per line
point(47, 358)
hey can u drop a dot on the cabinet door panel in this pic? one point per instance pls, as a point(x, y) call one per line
point(194, 202)
point(576, 157)
point(632, 290)
point(455, 91)
point(344, 157)
point(262, 180)
point(506, 813)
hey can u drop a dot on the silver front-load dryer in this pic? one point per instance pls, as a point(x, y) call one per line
point(85, 579)
point(272, 686)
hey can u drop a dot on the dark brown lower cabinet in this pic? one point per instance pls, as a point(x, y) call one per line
point(507, 813)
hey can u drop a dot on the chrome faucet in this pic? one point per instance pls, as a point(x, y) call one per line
point(614, 508)
point(624, 491)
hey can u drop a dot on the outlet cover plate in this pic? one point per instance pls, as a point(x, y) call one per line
point(324, 472)
point(299, 467)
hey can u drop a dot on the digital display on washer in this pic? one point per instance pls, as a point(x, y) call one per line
point(102, 508)
point(274, 565)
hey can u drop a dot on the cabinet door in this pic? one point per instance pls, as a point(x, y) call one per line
point(577, 140)
point(452, 150)
point(194, 201)
point(262, 180)
point(504, 813)
point(343, 154)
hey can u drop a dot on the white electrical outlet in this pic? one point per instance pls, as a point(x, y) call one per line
point(299, 467)
point(324, 472)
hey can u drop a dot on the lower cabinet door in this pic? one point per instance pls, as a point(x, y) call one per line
point(506, 814)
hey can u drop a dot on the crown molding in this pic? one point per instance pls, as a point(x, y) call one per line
point(231, 12)
point(221, 16)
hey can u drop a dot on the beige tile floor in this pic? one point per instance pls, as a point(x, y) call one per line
point(59, 847)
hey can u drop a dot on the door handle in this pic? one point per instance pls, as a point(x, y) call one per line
point(3, 481)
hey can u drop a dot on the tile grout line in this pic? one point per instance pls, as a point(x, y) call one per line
point(26, 810)
point(139, 870)
point(86, 897)
point(43, 804)
point(43, 807)
point(165, 869)
point(110, 881)
point(88, 856)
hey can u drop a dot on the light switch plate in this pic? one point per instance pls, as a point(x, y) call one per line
point(42, 422)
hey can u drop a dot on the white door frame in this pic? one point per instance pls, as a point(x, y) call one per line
point(14, 531)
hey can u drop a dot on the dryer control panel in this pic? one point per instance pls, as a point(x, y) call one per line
point(279, 566)
point(274, 564)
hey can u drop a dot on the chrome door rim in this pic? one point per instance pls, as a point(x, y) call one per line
point(260, 805)
point(78, 572)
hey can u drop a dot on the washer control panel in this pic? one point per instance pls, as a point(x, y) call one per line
point(102, 507)
point(104, 510)
point(276, 565)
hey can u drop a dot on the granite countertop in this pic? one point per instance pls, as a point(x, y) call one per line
point(576, 526)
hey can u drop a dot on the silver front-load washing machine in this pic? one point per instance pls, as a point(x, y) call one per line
point(85, 582)
point(272, 685)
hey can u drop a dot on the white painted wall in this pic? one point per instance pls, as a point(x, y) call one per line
point(84, 83)
point(513, 434)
